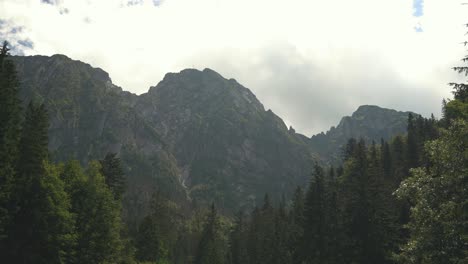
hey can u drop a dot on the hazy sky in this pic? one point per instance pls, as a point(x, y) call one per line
point(310, 61)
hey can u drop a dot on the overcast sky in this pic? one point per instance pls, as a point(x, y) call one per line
point(310, 61)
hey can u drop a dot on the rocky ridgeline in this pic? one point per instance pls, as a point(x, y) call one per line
point(194, 136)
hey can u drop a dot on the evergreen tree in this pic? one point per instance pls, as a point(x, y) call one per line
point(262, 233)
point(439, 218)
point(98, 223)
point(315, 238)
point(382, 221)
point(386, 158)
point(281, 252)
point(149, 244)
point(42, 227)
point(111, 169)
point(354, 203)
point(10, 119)
point(238, 239)
point(334, 230)
point(210, 248)
point(296, 225)
point(255, 236)
point(412, 142)
point(157, 234)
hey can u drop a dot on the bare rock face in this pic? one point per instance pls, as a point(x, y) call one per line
point(195, 135)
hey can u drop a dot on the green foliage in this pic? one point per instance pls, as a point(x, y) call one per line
point(296, 225)
point(42, 226)
point(439, 219)
point(238, 251)
point(111, 169)
point(211, 248)
point(315, 238)
point(367, 214)
point(456, 109)
point(98, 223)
point(158, 232)
point(10, 120)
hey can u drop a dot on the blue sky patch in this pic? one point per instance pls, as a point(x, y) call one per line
point(418, 8)
point(27, 43)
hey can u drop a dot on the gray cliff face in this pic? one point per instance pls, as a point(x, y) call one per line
point(195, 135)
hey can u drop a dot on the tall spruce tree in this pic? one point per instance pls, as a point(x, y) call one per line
point(210, 248)
point(382, 220)
point(281, 252)
point(10, 120)
point(42, 228)
point(334, 229)
point(296, 225)
point(412, 142)
point(386, 158)
point(98, 222)
point(354, 203)
point(315, 239)
point(157, 234)
point(238, 238)
point(111, 169)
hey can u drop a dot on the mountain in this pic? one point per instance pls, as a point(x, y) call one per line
point(370, 122)
point(228, 147)
point(89, 116)
point(195, 136)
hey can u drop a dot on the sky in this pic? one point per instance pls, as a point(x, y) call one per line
point(310, 61)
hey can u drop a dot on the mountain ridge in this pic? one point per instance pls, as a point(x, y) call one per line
point(194, 135)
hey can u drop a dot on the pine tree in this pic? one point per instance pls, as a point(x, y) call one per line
point(111, 169)
point(238, 238)
point(382, 221)
point(334, 230)
point(98, 223)
point(315, 238)
point(157, 234)
point(42, 228)
point(412, 142)
point(210, 248)
point(355, 208)
point(386, 158)
point(281, 252)
point(148, 243)
point(10, 120)
point(296, 230)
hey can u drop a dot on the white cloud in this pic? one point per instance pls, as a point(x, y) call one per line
point(311, 61)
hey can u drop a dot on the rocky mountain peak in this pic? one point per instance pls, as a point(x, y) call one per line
point(369, 122)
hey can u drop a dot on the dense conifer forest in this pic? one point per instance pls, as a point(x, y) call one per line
point(404, 200)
